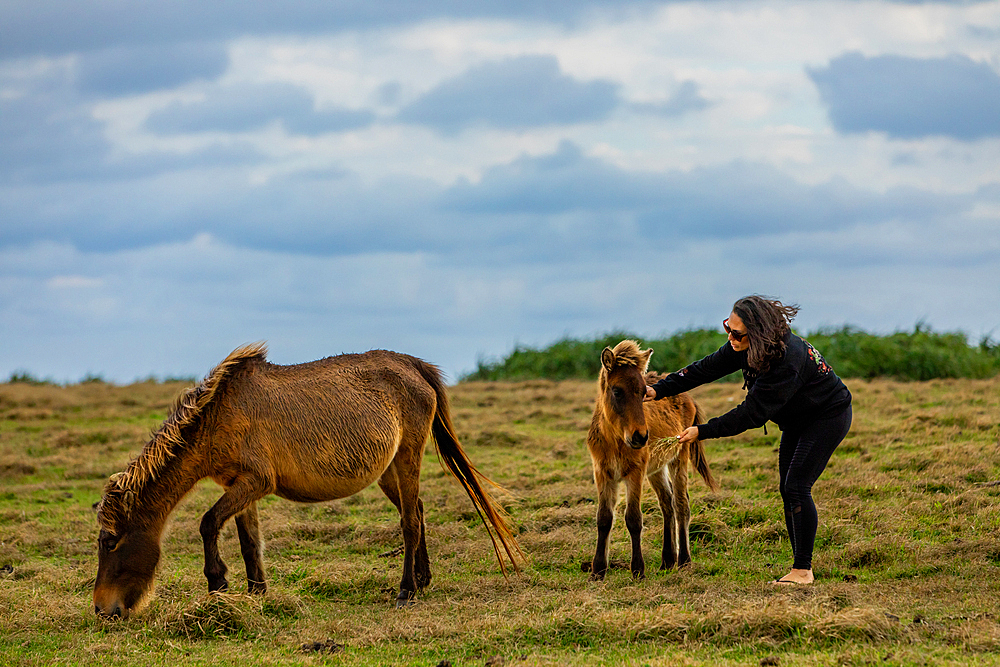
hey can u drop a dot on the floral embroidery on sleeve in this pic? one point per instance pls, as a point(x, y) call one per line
point(814, 354)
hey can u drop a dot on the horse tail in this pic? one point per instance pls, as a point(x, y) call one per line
point(452, 455)
point(698, 454)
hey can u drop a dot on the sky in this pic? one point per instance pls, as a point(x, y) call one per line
point(452, 179)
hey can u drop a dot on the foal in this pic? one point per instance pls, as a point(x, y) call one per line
point(620, 430)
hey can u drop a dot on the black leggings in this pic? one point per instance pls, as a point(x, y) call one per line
point(802, 456)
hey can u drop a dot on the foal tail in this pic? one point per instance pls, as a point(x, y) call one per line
point(698, 454)
point(450, 451)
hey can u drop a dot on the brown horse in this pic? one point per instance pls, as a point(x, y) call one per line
point(309, 433)
point(619, 432)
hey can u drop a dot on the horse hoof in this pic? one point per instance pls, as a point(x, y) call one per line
point(218, 586)
point(638, 576)
point(597, 576)
point(257, 588)
point(405, 599)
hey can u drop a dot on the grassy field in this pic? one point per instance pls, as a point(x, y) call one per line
point(907, 559)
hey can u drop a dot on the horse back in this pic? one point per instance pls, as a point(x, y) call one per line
point(355, 391)
point(322, 429)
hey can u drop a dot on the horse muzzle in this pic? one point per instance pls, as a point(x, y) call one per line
point(111, 610)
point(115, 612)
point(109, 605)
point(638, 439)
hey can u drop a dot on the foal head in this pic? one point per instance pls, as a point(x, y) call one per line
point(622, 388)
point(127, 555)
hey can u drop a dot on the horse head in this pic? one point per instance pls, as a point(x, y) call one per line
point(127, 554)
point(622, 389)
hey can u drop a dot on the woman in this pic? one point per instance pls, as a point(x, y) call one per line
point(788, 382)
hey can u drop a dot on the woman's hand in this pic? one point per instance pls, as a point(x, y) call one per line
point(650, 394)
point(690, 434)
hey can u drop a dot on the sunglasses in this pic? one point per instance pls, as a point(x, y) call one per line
point(738, 335)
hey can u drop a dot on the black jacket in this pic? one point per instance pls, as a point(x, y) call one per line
point(798, 389)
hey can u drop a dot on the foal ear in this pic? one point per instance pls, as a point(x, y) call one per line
point(644, 361)
point(608, 359)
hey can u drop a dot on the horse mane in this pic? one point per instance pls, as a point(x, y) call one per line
point(121, 489)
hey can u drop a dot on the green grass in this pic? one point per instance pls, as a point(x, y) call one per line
point(907, 559)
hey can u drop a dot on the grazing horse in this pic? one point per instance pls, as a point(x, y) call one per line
point(626, 443)
point(308, 433)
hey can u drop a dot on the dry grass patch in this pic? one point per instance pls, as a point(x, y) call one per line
point(228, 615)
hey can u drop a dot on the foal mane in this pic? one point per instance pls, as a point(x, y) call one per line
point(122, 487)
point(628, 353)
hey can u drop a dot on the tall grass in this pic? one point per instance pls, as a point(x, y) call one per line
point(918, 355)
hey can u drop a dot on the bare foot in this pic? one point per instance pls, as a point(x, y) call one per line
point(796, 577)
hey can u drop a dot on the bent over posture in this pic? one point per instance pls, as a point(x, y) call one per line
point(788, 382)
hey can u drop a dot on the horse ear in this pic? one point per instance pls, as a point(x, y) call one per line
point(115, 479)
point(608, 359)
point(645, 360)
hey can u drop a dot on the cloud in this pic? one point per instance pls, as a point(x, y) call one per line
point(249, 107)
point(530, 210)
point(687, 98)
point(127, 70)
point(741, 199)
point(49, 135)
point(330, 213)
point(66, 26)
point(909, 98)
point(46, 131)
point(562, 181)
point(74, 282)
point(523, 92)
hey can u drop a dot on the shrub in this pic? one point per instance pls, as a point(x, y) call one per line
point(918, 355)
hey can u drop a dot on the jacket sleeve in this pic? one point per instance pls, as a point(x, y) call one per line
point(719, 364)
point(766, 397)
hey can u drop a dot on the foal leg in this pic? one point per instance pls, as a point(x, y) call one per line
point(658, 480)
point(248, 527)
point(678, 472)
point(422, 566)
point(607, 498)
point(237, 498)
point(633, 520)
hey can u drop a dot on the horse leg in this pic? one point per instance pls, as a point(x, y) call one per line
point(633, 521)
point(235, 500)
point(607, 498)
point(422, 565)
point(406, 467)
point(248, 527)
point(682, 510)
point(661, 486)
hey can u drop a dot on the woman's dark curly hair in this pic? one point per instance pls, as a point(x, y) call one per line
point(766, 320)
